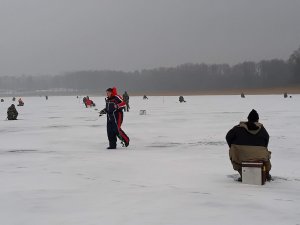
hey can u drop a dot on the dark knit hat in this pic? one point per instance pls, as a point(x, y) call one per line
point(253, 116)
point(109, 89)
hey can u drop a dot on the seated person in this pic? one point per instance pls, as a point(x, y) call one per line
point(88, 103)
point(181, 99)
point(12, 113)
point(248, 142)
point(21, 103)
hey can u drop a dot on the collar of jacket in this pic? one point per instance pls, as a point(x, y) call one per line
point(245, 126)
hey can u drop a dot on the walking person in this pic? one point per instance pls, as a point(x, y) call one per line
point(114, 110)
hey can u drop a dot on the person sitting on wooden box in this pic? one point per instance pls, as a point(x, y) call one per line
point(248, 142)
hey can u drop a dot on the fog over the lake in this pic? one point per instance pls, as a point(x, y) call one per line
point(57, 36)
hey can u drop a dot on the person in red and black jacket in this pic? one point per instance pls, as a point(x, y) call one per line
point(114, 110)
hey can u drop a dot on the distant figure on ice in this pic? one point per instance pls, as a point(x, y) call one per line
point(242, 95)
point(13, 99)
point(126, 100)
point(145, 97)
point(12, 113)
point(249, 141)
point(114, 110)
point(181, 99)
point(285, 95)
point(2, 100)
point(46, 97)
point(21, 103)
point(88, 102)
point(84, 100)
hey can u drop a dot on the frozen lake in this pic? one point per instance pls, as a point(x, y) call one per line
point(55, 169)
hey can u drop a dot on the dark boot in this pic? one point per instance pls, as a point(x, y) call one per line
point(240, 178)
point(268, 177)
point(126, 144)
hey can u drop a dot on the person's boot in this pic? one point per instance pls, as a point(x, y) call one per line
point(268, 177)
point(126, 144)
point(240, 178)
point(112, 145)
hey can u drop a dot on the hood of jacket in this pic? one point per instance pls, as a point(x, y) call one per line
point(114, 91)
point(252, 128)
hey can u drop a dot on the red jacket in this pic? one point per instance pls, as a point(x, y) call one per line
point(117, 99)
point(88, 102)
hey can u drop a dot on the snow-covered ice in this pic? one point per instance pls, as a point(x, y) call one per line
point(55, 169)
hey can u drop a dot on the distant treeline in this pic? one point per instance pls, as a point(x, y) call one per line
point(186, 77)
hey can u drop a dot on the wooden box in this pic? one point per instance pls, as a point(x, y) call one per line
point(253, 173)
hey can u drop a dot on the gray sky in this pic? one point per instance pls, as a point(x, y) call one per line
point(55, 36)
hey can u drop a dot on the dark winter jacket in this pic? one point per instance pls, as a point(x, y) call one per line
point(248, 142)
point(125, 97)
point(114, 104)
point(12, 113)
point(246, 133)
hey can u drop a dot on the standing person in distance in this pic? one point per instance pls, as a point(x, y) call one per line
point(126, 100)
point(114, 110)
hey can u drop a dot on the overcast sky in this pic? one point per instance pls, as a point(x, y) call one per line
point(56, 36)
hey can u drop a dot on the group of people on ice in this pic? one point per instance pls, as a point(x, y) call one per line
point(115, 105)
point(12, 113)
point(247, 141)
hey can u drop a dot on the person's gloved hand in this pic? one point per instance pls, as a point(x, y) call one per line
point(102, 112)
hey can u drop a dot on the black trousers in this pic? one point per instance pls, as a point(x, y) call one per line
point(112, 132)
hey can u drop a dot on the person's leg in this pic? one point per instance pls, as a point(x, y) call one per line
point(236, 166)
point(111, 134)
point(121, 134)
point(268, 168)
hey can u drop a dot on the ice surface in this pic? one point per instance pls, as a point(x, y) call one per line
point(55, 169)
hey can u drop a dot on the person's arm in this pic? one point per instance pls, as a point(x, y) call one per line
point(103, 111)
point(230, 136)
point(266, 136)
point(119, 102)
